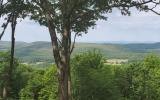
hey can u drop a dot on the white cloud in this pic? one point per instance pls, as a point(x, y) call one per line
point(140, 26)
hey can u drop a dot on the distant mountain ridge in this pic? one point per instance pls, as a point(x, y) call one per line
point(42, 51)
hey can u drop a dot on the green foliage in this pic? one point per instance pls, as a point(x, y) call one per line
point(18, 7)
point(21, 76)
point(143, 79)
point(18, 78)
point(27, 82)
point(4, 66)
point(50, 83)
point(33, 86)
point(91, 79)
point(42, 85)
point(136, 81)
point(80, 15)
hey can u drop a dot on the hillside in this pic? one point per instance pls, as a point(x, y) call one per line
point(42, 52)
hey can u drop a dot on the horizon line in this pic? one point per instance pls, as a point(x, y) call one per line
point(114, 42)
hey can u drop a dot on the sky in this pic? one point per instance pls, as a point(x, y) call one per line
point(139, 27)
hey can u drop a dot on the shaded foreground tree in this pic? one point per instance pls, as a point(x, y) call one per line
point(4, 65)
point(63, 17)
point(21, 75)
point(12, 10)
point(6, 79)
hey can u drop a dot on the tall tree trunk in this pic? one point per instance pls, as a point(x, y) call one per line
point(69, 84)
point(63, 82)
point(13, 26)
point(62, 60)
point(10, 72)
point(7, 89)
point(61, 53)
point(65, 70)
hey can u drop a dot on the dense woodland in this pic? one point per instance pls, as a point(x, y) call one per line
point(91, 79)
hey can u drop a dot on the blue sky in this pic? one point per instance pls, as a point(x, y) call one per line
point(139, 27)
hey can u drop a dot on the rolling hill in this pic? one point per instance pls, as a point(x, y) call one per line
point(42, 52)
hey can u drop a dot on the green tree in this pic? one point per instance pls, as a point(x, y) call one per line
point(42, 85)
point(18, 80)
point(92, 80)
point(13, 9)
point(4, 66)
point(121, 80)
point(33, 87)
point(143, 79)
point(50, 84)
point(6, 77)
point(63, 17)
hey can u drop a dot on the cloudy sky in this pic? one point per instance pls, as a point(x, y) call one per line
point(139, 27)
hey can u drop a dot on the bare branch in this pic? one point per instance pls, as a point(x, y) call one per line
point(154, 11)
point(5, 26)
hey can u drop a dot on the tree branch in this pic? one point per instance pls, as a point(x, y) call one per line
point(59, 42)
point(154, 11)
point(53, 35)
point(1, 4)
point(74, 41)
point(5, 26)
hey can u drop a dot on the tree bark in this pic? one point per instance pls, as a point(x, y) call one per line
point(4, 94)
point(61, 65)
point(10, 70)
point(63, 82)
point(65, 55)
point(69, 84)
point(61, 53)
point(62, 60)
point(13, 25)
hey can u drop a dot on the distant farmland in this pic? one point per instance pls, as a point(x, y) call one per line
point(42, 51)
